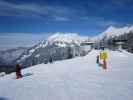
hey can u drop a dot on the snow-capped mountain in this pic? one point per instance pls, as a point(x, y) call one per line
point(63, 40)
point(113, 32)
point(59, 46)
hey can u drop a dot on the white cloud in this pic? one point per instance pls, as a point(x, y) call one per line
point(34, 9)
point(100, 21)
point(59, 18)
point(106, 23)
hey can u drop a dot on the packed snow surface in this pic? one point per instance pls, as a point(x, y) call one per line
point(75, 79)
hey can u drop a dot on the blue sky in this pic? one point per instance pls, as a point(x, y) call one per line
point(38, 17)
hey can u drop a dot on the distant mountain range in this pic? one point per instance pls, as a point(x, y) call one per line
point(8, 59)
point(9, 56)
point(113, 34)
point(57, 47)
point(61, 46)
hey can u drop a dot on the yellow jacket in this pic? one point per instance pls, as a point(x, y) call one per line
point(103, 55)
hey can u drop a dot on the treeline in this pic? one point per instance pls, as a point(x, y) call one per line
point(7, 68)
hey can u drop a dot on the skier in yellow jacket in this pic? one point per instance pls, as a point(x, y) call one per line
point(103, 58)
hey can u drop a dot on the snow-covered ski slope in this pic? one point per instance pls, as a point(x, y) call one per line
point(76, 79)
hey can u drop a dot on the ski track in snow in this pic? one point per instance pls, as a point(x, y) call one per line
point(76, 79)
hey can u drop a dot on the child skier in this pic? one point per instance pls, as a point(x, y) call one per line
point(97, 61)
point(103, 57)
point(18, 72)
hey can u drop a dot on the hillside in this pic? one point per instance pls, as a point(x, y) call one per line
point(74, 79)
point(58, 46)
point(9, 56)
point(112, 34)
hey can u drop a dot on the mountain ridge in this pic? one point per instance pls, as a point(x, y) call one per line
point(67, 45)
point(112, 32)
point(59, 46)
